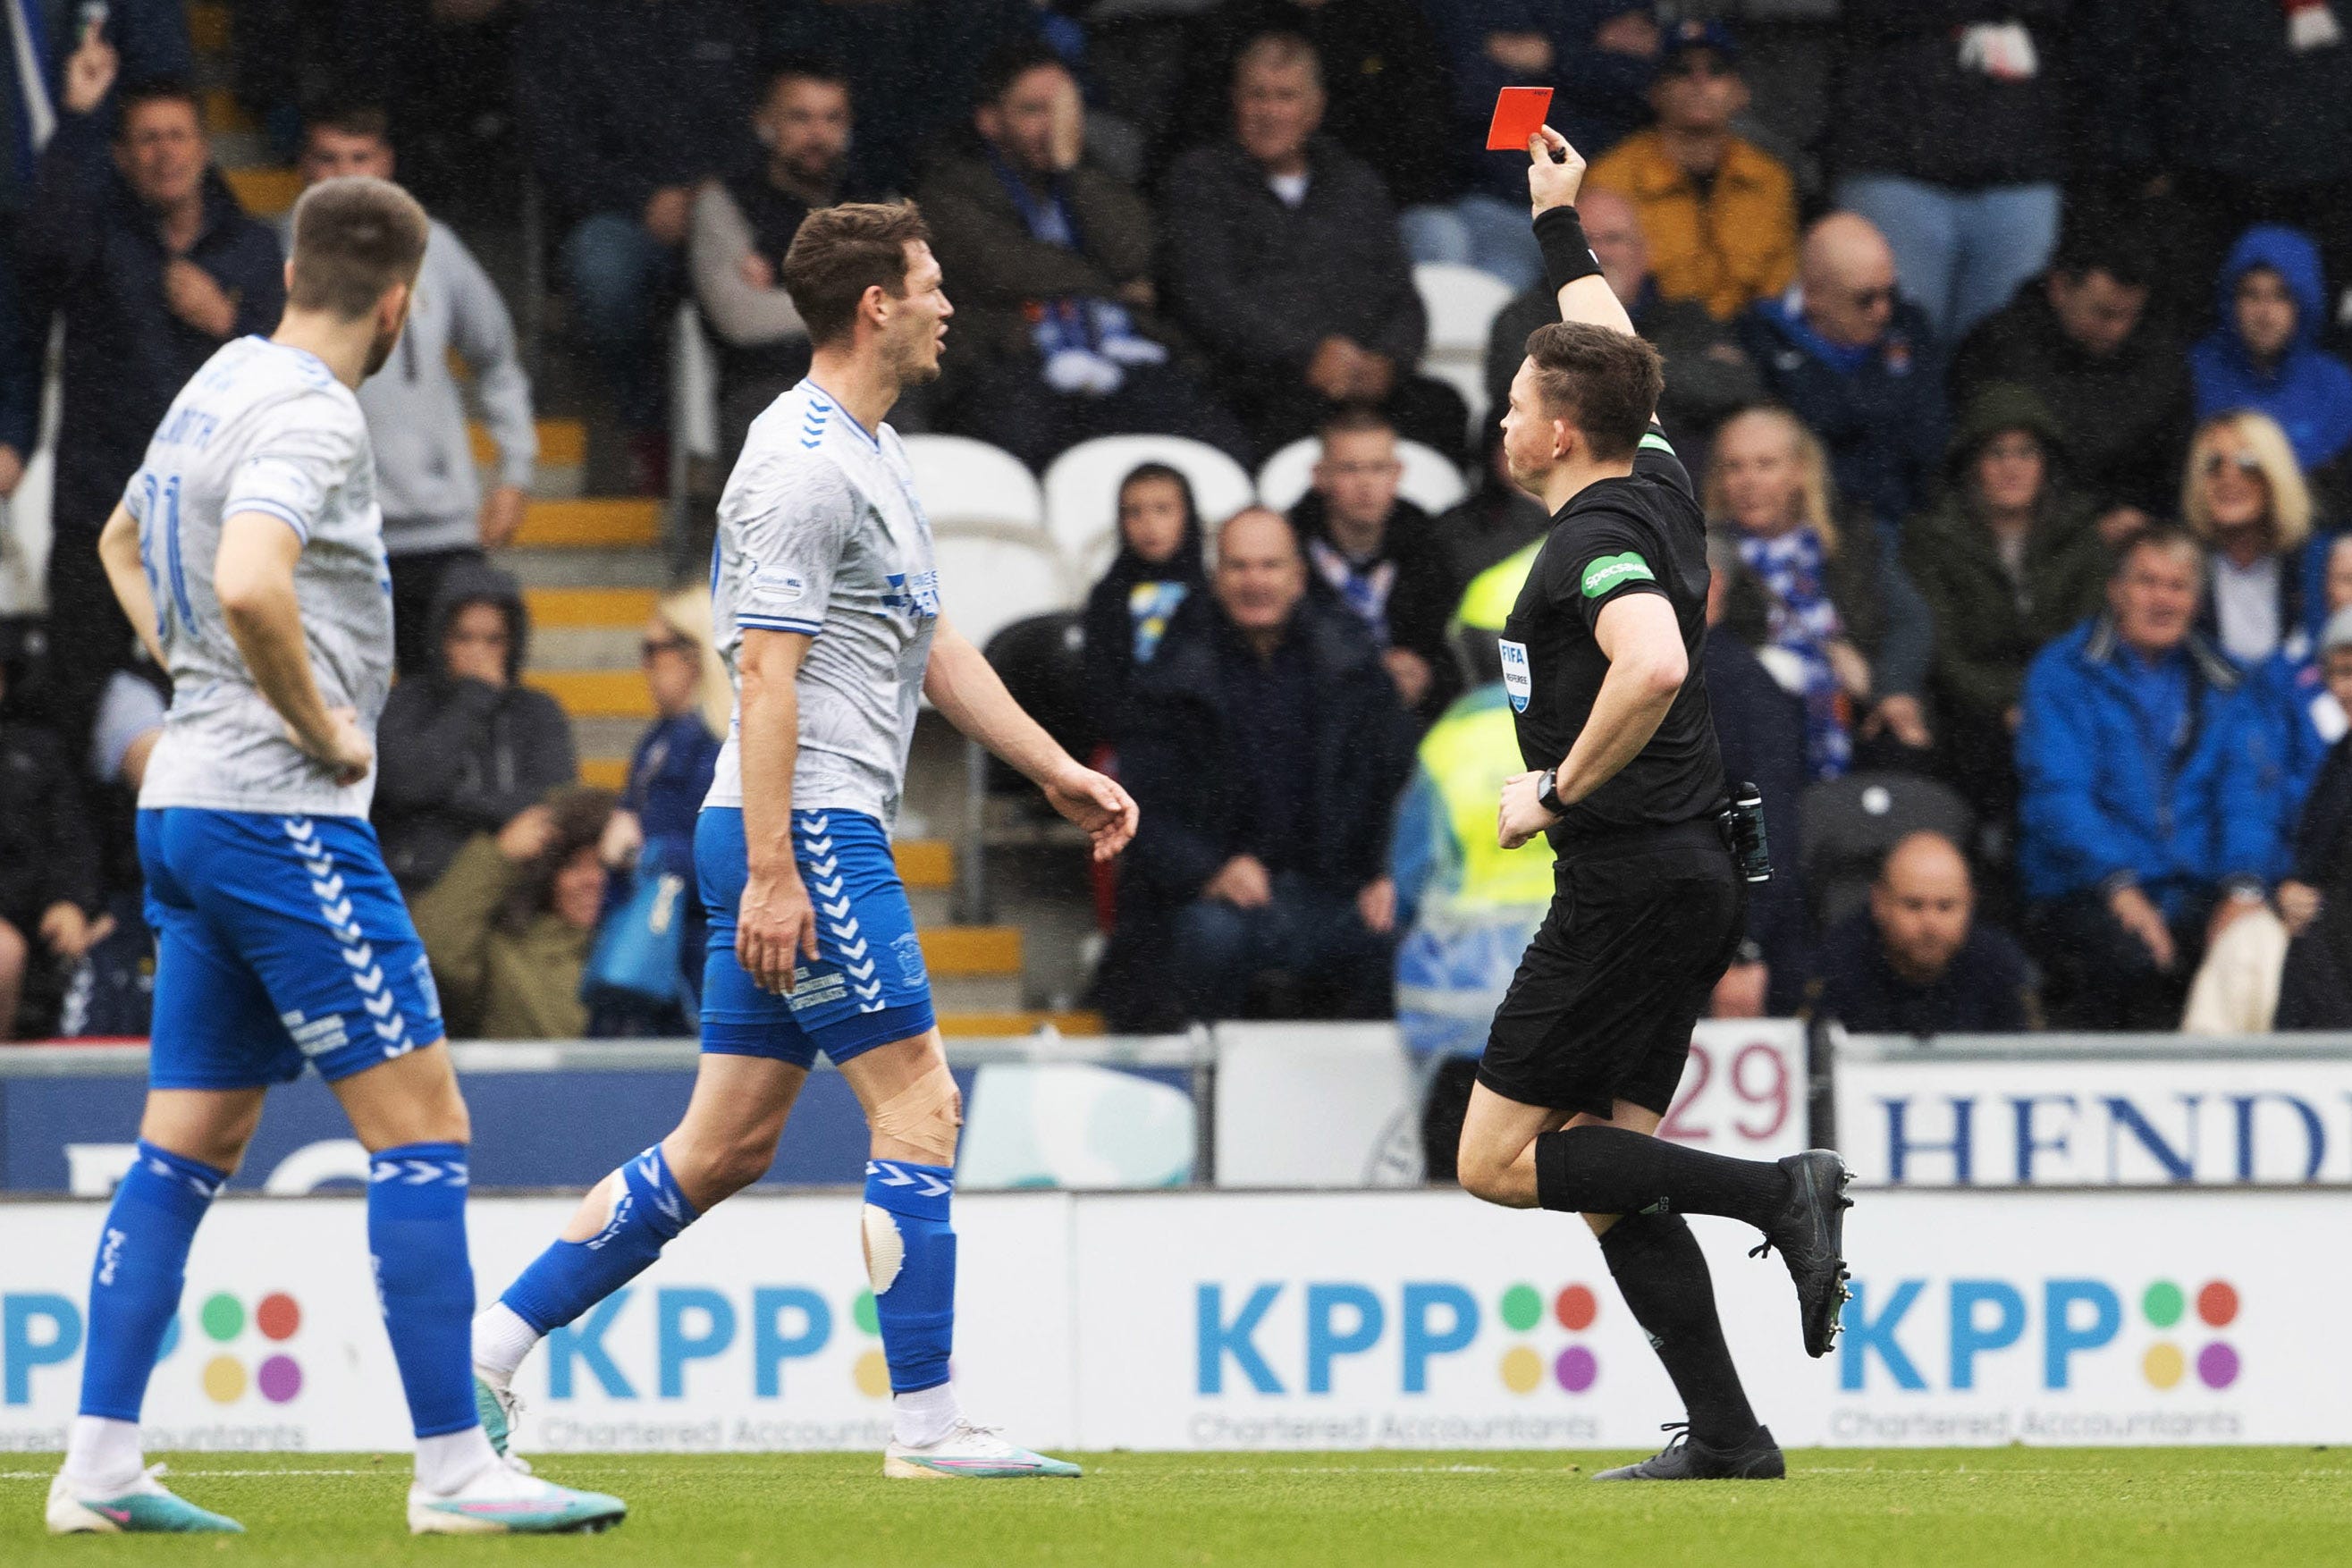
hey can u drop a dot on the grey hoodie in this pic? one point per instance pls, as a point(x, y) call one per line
point(416, 411)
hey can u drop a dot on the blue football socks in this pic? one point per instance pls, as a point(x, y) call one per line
point(571, 1277)
point(416, 1232)
point(914, 1293)
point(134, 1286)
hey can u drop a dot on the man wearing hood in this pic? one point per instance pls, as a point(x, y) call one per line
point(2008, 559)
point(2265, 353)
point(464, 749)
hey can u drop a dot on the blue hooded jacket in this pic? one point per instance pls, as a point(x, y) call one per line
point(2308, 392)
point(2091, 807)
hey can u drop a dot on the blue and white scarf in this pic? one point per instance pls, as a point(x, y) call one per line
point(1803, 621)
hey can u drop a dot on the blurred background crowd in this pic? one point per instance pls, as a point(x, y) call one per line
point(2003, 337)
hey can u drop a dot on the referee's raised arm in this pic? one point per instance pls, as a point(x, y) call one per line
point(1555, 175)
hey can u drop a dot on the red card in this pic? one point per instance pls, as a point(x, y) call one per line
point(1518, 114)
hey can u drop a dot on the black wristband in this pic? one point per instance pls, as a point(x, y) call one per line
point(1568, 256)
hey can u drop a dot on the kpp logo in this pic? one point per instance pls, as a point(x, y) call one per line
point(1341, 1320)
point(1988, 1318)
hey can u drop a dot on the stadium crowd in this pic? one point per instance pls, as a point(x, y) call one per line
point(2008, 361)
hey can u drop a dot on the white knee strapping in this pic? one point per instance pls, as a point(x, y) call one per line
point(886, 1249)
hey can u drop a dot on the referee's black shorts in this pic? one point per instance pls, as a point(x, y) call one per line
point(1641, 928)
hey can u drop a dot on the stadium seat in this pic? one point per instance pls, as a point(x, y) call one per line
point(1082, 491)
point(1848, 824)
point(694, 387)
point(1040, 658)
point(991, 575)
point(1430, 482)
point(1461, 303)
point(960, 480)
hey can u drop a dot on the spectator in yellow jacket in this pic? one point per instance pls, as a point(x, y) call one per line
point(1719, 213)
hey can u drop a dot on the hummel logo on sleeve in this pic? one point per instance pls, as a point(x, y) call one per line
point(1615, 571)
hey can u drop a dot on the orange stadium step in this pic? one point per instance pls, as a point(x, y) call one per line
point(596, 693)
point(208, 26)
point(562, 443)
point(925, 863)
point(959, 953)
point(224, 115)
point(588, 606)
point(264, 193)
point(985, 1025)
point(595, 523)
point(606, 773)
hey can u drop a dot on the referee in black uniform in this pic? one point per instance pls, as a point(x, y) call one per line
point(1600, 658)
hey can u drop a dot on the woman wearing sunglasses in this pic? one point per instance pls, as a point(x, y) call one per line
point(2244, 496)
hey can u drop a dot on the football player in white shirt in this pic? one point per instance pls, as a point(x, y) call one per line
point(826, 605)
point(248, 551)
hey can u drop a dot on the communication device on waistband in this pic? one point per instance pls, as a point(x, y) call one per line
point(1743, 834)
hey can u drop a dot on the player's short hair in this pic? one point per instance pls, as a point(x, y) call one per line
point(842, 251)
point(1605, 382)
point(354, 238)
point(1009, 61)
point(348, 117)
point(138, 95)
point(1278, 51)
point(1354, 420)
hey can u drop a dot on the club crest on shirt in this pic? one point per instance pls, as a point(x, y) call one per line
point(919, 593)
point(1518, 680)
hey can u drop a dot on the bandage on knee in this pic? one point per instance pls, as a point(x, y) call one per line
point(924, 1116)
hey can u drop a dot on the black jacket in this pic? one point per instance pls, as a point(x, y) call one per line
point(620, 99)
point(1988, 988)
point(2315, 988)
point(1905, 105)
point(1259, 282)
point(2125, 417)
point(47, 852)
point(457, 757)
point(1177, 751)
point(1421, 603)
point(91, 250)
point(1881, 422)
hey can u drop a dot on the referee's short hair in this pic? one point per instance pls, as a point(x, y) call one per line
point(1605, 382)
point(354, 238)
point(842, 251)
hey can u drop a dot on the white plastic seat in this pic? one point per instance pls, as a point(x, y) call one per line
point(1430, 482)
point(1461, 303)
point(960, 480)
point(1082, 491)
point(991, 575)
point(694, 386)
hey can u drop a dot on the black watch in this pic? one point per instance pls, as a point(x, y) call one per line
point(1548, 793)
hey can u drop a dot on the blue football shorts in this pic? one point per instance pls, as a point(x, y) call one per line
point(279, 940)
point(867, 986)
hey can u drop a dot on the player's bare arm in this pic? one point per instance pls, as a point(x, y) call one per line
point(254, 577)
point(1555, 175)
point(118, 552)
point(1646, 669)
point(961, 684)
point(775, 925)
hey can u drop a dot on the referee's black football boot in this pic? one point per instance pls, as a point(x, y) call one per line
point(1686, 1458)
point(1810, 1231)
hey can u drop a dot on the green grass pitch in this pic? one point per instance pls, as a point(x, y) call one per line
point(1841, 1509)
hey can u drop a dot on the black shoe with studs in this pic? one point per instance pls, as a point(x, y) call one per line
point(1810, 1231)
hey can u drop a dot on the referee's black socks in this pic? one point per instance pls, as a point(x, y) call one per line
point(1611, 1170)
point(1662, 1276)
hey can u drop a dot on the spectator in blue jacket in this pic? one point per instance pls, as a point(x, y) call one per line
point(2151, 780)
point(2265, 353)
point(144, 250)
point(628, 108)
point(1599, 55)
point(1855, 361)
